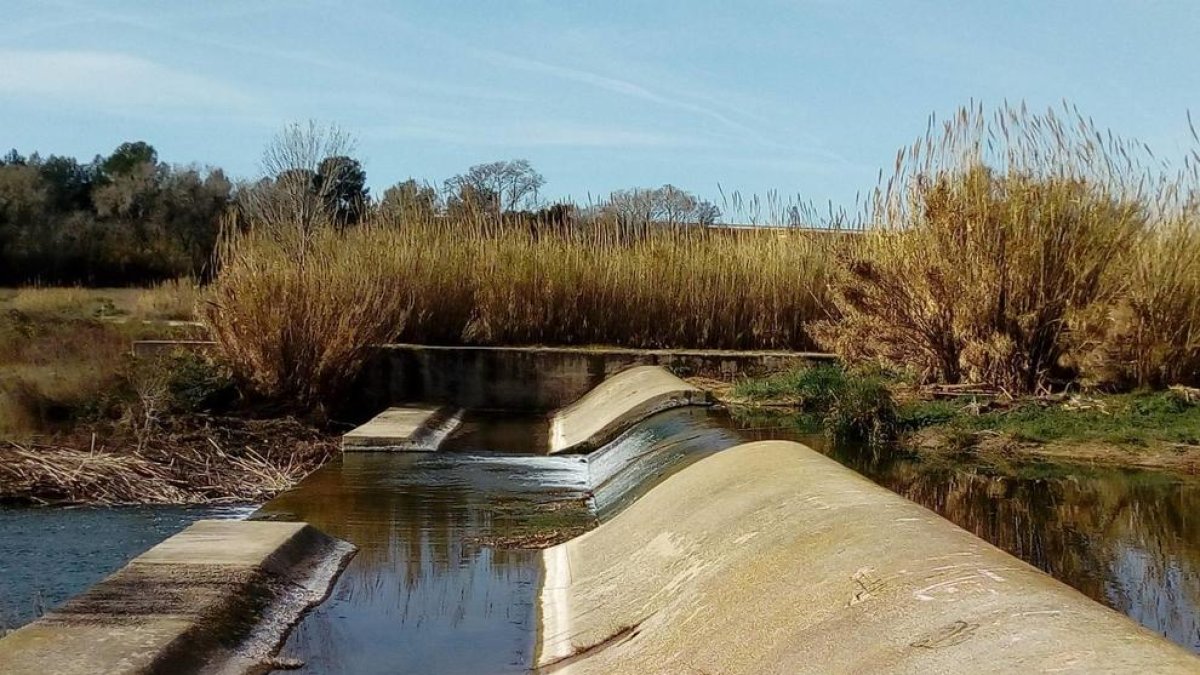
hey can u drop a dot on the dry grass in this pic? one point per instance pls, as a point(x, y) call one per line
point(189, 460)
point(296, 312)
point(170, 300)
point(1012, 249)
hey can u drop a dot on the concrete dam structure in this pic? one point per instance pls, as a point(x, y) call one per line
point(713, 555)
point(771, 558)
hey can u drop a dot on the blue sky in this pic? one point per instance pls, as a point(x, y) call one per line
point(802, 98)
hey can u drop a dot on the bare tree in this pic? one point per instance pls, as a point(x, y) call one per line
point(291, 193)
point(514, 184)
point(668, 205)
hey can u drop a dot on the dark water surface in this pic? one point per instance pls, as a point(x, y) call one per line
point(421, 596)
point(49, 554)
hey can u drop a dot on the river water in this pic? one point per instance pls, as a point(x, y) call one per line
point(427, 593)
point(48, 554)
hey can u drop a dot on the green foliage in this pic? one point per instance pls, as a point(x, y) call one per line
point(920, 414)
point(863, 408)
point(120, 220)
point(196, 383)
point(1126, 419)
point(810, 388)
point(855, 404)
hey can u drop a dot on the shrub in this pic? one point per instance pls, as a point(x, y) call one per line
point(295, 313)
point(863, 409)
point(983, 262)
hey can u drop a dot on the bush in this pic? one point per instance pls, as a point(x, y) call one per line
point(296, 313)
point(863, 409)
point(983, 267)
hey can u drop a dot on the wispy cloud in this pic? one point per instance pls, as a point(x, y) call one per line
point(614, 85)
point(112, 81)
point(530, 134)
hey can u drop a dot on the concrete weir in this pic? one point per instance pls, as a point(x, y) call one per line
point(404, 429)
point(618, 403)
point(772, 558)
point(215, 598)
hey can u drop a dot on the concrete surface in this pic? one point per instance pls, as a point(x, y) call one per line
point(617, 403)
point(404, 429)
point(771, 558)
point(522, 378)
point(215, 598)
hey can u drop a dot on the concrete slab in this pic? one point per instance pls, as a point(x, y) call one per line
point(404, 429)
point(215, 598)
point(771, 558)
point(617, 403)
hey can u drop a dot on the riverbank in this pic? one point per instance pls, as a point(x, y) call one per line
point(1147, 429)
point(192, 459)
point(84, 422)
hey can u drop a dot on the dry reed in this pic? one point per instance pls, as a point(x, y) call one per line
point(297, 315)
point(1002, 249)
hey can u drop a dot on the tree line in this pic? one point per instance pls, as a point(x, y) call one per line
point(129, 218)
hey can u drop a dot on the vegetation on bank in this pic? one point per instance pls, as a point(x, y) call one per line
point(1012, 250)
point(1144, 427)
point(82, 421)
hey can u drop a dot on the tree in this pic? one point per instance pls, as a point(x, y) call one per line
point(409, 201)
point(341, 183)
point(707, 213)
point(127, 158)
point(68, 182)
point(292, 192)
point(512, 185)
point(667, 205)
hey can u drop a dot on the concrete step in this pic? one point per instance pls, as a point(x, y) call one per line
point(215, 598)
point(404, 429)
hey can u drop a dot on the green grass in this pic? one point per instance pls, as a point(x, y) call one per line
point(1136, 419)
point(850, 404)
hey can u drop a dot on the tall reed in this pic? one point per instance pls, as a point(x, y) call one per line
point(295, 311)
point(996, 241)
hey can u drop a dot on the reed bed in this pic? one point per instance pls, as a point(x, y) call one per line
point(1027, 251)
point(297, 313)
point(227, 460)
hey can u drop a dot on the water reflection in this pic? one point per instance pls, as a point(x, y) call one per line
point(422, 597)
point(418, 597)
point(1129, 539)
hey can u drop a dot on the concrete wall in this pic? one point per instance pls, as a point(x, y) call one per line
point(540, 378)
point(772, 558)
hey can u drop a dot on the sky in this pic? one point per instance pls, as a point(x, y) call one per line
point(803, 100)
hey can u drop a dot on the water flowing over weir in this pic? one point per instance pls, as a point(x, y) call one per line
point(424, 594)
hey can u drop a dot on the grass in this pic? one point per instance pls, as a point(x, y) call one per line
point(850, 404)
point(83, 422)
point(296, 313)
point(170, 300)
point(1136, 419)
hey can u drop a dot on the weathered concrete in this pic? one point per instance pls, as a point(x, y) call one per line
point(406, 429)
point(771, 558)
point(542, 378)
point(215, 598)
point(618, 403)
point(522, 378)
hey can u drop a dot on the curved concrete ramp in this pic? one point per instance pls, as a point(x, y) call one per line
point(215, 598)
point(622, 400)
point(771, 558)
